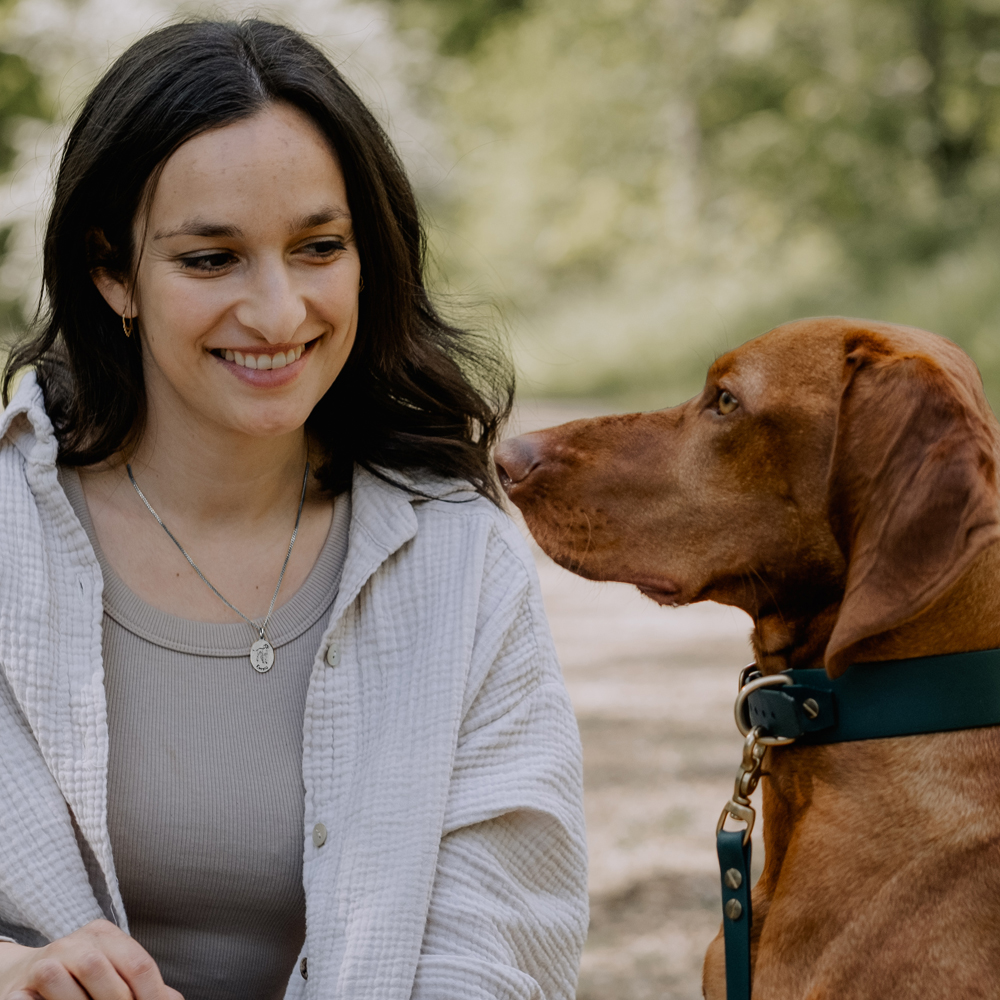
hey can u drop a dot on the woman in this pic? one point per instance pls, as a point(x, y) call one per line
point(239, 760)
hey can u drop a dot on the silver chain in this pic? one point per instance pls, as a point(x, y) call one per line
point(257, 628)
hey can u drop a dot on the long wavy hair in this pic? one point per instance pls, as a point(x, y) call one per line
point(416, 392)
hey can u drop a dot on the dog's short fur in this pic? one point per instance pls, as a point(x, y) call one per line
point(849, 503)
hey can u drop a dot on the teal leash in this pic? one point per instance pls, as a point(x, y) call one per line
point(870, 701)
point(734, 863)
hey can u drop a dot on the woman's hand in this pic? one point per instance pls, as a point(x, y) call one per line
point(97, 962)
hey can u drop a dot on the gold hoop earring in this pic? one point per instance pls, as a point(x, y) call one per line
point(361, 284)
point(127, 325)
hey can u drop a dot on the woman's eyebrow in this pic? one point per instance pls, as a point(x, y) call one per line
point(330, 213)
point(218, 230)
point(200, 227)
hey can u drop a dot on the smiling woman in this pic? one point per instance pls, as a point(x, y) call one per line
point(244, 438)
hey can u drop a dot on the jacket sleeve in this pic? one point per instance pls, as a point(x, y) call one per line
point(508, 913)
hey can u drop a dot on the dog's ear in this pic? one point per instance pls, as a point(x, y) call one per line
point(913, 495)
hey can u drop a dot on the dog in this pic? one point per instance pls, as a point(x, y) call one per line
point(837, 480)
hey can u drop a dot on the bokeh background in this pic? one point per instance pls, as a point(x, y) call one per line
point(626, 188)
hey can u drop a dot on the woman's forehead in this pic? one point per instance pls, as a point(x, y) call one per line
point(274, 169)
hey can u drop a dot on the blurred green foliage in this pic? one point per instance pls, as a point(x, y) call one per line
point(882, 121)
point(21, 96)
point(642, 183)
point(458, 25)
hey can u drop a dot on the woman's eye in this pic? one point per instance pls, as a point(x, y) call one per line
point(208, 261)
point(324, 248)
point(727, 403)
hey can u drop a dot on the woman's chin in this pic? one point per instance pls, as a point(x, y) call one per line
point(262, 420)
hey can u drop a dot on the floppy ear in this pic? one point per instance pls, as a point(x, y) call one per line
point(913, 495)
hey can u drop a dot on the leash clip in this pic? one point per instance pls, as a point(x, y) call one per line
point(747, 777)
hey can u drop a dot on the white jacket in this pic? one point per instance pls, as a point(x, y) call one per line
point(441, 751)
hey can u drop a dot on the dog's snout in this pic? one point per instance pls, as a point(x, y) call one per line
point(515, 458)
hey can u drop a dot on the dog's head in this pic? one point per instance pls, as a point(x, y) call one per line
point(832, 469)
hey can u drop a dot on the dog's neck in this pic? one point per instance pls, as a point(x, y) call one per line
point(966, 617)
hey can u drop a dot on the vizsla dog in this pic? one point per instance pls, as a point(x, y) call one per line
point(836, 479)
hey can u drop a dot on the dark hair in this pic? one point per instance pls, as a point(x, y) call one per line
point(416, 392)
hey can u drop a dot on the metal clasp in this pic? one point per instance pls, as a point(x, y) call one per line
point(747, 777)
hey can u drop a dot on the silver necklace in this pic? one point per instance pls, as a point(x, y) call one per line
point(261, 652)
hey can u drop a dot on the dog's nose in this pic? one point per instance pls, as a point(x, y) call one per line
point(514, 459)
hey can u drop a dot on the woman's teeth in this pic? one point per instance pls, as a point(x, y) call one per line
point(263, 361)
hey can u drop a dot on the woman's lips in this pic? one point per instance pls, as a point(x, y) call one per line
point(265, 378)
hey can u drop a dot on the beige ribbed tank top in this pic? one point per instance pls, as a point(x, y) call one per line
point(205, 795)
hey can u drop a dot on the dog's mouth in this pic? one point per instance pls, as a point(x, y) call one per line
point(663, 591)
point(660, 591)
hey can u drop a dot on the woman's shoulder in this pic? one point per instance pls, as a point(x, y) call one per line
point(457, 502)
point(447, 510)
point(468, 516)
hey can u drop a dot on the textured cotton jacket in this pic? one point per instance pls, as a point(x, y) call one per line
point(440, 751)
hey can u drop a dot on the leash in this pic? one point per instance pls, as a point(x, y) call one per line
point(870, 701)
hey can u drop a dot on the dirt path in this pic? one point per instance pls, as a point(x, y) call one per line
point(653, 690)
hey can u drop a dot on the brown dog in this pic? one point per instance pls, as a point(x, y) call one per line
point(836, 479)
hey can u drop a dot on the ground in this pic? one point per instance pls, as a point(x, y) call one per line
point(653, 690)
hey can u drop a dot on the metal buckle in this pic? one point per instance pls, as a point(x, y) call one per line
point(742, 713)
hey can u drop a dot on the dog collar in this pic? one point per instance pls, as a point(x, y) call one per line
point(870, 701)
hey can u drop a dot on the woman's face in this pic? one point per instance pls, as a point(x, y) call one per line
point(246, 296)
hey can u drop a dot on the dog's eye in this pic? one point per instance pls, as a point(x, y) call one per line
point(727, 403)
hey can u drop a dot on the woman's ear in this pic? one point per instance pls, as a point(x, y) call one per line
point(913, 495)
point(108, 281)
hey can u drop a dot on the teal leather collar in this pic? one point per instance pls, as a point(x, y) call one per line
point(870, 701)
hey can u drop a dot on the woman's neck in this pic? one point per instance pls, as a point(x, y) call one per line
point(231, 503)
point(216, 475)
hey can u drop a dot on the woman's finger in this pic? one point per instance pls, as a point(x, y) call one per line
point(135, 965)
point(98, 977)
point(125, 970)
point(51, 981)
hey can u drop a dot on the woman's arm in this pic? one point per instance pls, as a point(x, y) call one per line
point(96, 962)
point(508, 914)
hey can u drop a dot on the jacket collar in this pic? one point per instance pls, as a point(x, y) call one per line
point(382, 522)
point(27, 424)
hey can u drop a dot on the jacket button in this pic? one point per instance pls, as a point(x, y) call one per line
point(333, 656)
point(319, 835)
point(304, 967)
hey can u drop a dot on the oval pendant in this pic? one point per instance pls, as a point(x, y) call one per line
point(262, 656)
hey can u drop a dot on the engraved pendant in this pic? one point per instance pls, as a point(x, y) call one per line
point(262, 656)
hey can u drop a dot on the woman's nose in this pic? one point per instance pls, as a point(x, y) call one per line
point(273, 307)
